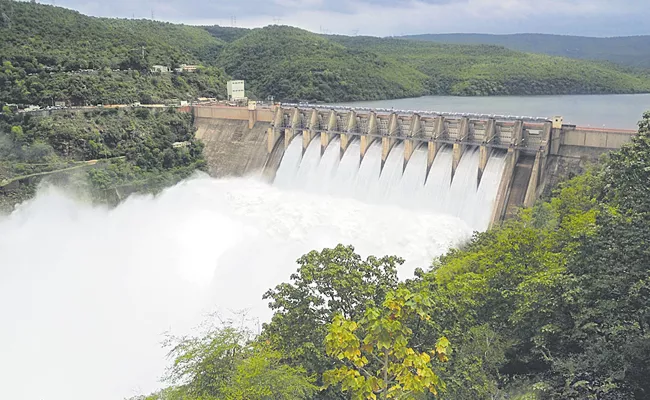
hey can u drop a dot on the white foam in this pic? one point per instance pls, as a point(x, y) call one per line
point(86, 292)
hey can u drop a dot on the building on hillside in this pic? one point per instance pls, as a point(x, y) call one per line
point(59, 103)
point(178, 145)
point(236, 90)
point(159, 68)
point(186, 68)
point(207, 100)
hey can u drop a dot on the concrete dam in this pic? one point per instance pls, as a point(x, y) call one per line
point(479, 168)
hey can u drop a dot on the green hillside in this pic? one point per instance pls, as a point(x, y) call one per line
point(50, 53)
point(494, 70)
point(226, 33)
point(46, 38)
point(291, 63)
point(632, 51)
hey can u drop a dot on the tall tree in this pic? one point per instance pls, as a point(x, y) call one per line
point(375, 352)
point(327, 283)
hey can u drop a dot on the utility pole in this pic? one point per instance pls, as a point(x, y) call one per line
point(152, 16)
point(6, 19)
point(142, 48)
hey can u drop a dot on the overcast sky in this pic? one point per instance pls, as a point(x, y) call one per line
point(393, 17)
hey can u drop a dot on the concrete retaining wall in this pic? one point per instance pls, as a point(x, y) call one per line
point(237, 113)
point(231, 147)
point(599, 138)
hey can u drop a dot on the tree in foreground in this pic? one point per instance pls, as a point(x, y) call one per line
point(374, 353)
point(327, 283)
point(227, 363)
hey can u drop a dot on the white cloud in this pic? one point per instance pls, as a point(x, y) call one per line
point(395, 17)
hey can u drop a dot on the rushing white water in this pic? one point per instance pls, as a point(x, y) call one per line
point(327, 168)
point(487, 191)
point(344, 180)
point(290, 165)
point(461, 199)
point(414, 177)
point(366, 185)
point(439, 180)
point(87, 292)
point(408, 187)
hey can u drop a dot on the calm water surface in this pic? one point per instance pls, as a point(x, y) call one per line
point(612, 111)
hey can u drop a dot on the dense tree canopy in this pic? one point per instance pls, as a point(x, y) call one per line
point(293, 64)
point(483, 70)
point(138, 144)
point(224, 363)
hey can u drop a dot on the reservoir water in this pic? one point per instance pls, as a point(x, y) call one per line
point(611, 111)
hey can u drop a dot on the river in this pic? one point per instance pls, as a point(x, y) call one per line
point(611, 111)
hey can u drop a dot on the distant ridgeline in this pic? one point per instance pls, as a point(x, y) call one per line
point(52, 54)
point(632, 51)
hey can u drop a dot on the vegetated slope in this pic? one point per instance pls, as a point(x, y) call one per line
point(226, 33)
point(40, 37)
point(143, 139)
point(108, 87)
point(293, 64)
point(633, 51)
point(495, 70)
point(44, 48)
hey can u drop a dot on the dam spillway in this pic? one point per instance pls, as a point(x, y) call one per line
point(532, 153)
point(409, 186)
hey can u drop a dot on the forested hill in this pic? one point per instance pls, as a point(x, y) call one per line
point(633, 51)
point(50, 53)
point(292, 63)
point(495, 70)
point(41, 37)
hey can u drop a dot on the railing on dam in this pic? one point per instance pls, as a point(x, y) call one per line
point(528, 135)
point(419, 112)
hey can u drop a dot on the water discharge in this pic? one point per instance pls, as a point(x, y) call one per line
point(457, 193)
point(87, 292)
